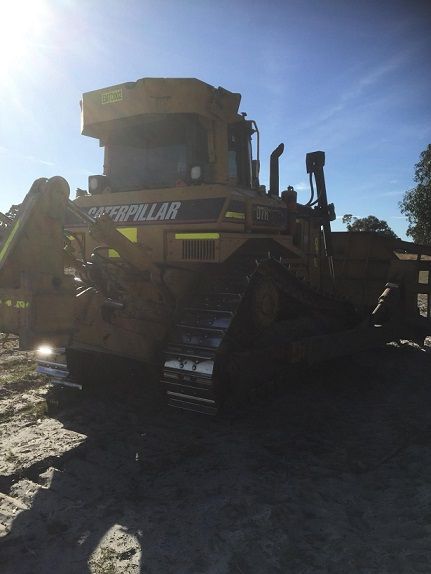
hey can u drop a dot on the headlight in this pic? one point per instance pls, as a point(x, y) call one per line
point(93, 183)
point(44, 350)
point(196, 172)
point(98, 184)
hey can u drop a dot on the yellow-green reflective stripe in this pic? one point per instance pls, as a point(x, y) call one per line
point(132, 235)
point(197, 235)
point(9, 239)
point(130, 232)
point(19, 304)
point(235, 215)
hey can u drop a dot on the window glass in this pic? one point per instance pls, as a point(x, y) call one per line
point(239, 153)
point(233, 168)
point(160, 152)
point(133, 167)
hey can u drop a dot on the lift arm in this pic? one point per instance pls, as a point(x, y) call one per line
point(38, 300)
point(314, 164)
point(36, 297)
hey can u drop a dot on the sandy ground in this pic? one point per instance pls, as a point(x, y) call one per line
point(329, 475)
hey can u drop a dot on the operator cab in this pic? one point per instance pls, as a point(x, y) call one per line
point(171, 151)
point(163, 133)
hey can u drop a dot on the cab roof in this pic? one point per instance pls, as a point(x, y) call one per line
point(123, 104)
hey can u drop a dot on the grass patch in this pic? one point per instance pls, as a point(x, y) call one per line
point(18, 373)
point(104, 563)
point(36, 410)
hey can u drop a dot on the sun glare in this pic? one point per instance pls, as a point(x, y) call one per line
point(22, 25)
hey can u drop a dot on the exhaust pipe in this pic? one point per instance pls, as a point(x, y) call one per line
point(274, 179)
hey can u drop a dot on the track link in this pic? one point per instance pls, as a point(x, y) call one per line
point(201, 334)
point(189, 371)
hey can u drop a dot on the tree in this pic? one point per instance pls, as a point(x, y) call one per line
point(416, 203)
point(370, 223)
point(7, 220)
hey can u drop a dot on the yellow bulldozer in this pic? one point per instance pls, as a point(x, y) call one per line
point(177, 256)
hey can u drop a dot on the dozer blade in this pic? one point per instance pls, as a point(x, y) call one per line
point(36, 297)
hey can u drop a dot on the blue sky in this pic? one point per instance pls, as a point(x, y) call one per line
point(350, 78)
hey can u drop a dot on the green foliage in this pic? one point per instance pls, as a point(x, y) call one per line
point(370, 223)
point(7, 219)
point(416, 203)
point(13, 211)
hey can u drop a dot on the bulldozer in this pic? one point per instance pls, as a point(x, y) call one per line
point(176, 256)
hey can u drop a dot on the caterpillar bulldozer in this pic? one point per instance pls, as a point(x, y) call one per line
point(177, 256)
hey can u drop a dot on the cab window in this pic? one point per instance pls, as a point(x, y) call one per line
point(239, 153)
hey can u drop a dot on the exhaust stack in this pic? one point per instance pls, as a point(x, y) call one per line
point(274, 179)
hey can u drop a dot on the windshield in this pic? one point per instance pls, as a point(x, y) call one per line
point(160, 152)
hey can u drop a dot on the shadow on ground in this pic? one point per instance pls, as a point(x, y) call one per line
point(328, 475)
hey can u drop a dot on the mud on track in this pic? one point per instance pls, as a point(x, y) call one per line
point(329, 475)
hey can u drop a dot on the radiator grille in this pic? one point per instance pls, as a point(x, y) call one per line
point(199, 249)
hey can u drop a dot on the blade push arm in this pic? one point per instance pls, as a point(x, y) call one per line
point(36, 297)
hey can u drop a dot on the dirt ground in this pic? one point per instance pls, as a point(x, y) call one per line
point(329, 475)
